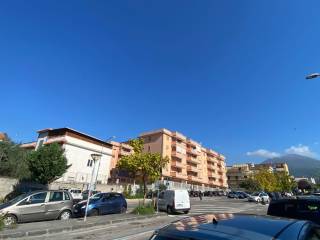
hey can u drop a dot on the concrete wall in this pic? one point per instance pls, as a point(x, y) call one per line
point(6, 185)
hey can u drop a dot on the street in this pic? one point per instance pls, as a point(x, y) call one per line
point(143, 229)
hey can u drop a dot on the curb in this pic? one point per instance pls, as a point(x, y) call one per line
point(72, 228)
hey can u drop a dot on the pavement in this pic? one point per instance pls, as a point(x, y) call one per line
point(126, 226)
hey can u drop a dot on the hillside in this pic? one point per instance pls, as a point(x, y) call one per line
point(299, 166)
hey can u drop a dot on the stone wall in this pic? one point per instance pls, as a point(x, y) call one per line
point(6, 185)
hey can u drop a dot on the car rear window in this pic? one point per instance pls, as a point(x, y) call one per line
point(56, 196)
point(66, 196)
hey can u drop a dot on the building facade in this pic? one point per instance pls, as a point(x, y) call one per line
point(238, 173)
point(78, 149)
point(191, 165)
point(119, 176)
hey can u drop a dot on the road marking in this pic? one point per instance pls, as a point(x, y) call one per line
point(134, 235)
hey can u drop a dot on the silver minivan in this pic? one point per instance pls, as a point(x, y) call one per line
point(38, 206)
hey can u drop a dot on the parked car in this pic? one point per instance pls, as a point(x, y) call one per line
point(305, 208)
point(37, 206)
point(102, 203)
point(233, 195)
point(259, 197)
point(174, 200)
point(242, 195)
point(238, 227)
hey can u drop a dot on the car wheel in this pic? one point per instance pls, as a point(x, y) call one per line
point(123, 209)
point(94, 212)
point(65, 215)
point(186, 212)
point(169, 210)
point(10, 220)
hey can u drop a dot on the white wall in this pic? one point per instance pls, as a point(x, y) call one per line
point(78, 152)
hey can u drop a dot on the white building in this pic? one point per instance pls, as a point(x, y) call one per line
point(78, 149)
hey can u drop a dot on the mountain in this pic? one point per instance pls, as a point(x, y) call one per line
point(299, 166)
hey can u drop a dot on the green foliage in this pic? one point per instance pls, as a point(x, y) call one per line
point(162, 187)
point(136, 196)
point(285, 183)
point(250, 185)
point(47, 164)
point(144, 210)
point(146, 166)
point(1, 222)
point(265, 180)
point(13, 160)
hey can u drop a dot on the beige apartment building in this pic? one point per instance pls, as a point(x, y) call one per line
point(191, 165)
point(240, 172)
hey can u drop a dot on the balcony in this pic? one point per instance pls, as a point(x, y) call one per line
point(124, 153)
point(177, 155)
point(192, 178)
point(211, 167)
point(210, 160)
point(193, 151)
point(193, 160)
point(179, 136)
point(192, 169)
point(177, 164)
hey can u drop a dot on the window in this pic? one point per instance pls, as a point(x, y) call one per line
point(66, 196)
point(56, 196)
point(40, 143)
point(38, 198)
point(89, 163)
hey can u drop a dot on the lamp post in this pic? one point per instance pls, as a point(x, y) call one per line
point(108, 140)
point(95, 157)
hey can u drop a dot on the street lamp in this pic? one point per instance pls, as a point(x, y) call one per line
point(312, 76)
point(108, 141)
point(96, 157)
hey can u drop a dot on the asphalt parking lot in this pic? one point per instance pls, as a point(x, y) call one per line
point(142, 229)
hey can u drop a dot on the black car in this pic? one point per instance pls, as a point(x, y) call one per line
point(305, 208)
point(238, 227)
point(233, 195)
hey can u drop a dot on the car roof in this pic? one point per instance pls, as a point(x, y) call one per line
point(227, 226)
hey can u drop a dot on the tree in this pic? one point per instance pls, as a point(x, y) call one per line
point(285, 183)
point(250, 185)
point(47, 164)
point(13, 160)
point(146, 166)
point(266, 180)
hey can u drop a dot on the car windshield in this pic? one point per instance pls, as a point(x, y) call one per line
point(96, 196)
point(19, 198)
point(255, 194)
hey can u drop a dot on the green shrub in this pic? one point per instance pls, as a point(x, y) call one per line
point(1, 200)
point(144, 210)
point(137, 196)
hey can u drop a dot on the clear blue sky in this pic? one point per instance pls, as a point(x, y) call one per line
point(229, 74)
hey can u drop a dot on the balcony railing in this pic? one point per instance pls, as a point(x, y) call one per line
point(177, 164)
point(177, 155)
point(211, 167)
point(192, 169)
point(193, 160)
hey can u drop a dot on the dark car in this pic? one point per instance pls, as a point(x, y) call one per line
point(102, 203)
point(237, 227)
point(305, 208)
point(233, 195)
point(85, 194)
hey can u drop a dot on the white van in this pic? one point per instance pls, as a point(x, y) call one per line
point(174, 200)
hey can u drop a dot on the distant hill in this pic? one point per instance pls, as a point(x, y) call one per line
point(299, 166)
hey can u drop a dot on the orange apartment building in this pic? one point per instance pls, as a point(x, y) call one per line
point(116, 175)
point(191, 165)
